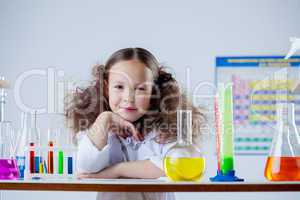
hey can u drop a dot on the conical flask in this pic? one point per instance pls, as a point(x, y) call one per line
point(8, 164)
point(184, 161)
point(283, 162)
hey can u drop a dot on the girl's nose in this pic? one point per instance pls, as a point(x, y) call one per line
point(129, 96)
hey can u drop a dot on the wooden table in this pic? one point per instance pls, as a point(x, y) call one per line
point(144, 185)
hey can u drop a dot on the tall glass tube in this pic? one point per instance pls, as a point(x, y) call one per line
point(227, 138)
point(225, 135)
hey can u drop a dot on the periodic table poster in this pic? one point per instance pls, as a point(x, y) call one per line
point(259, 83)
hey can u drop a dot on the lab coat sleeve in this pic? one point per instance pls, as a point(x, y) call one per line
point(155, 152)
point(89, 158)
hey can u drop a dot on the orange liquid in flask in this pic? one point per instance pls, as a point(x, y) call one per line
point(283, 168)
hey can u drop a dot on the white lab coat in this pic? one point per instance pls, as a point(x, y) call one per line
point(90, 159)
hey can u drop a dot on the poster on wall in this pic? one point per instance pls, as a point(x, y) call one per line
point(259, 83)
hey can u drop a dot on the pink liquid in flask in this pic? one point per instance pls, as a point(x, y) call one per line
point(8, 169)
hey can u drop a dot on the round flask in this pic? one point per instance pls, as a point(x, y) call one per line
point(184, 161)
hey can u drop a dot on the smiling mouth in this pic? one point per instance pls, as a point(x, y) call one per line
point(129, 109)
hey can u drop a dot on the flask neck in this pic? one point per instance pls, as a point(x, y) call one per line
point(185, 139)
point(24, 120)
point(287, 140)
point(286, 114)
point(184, 127)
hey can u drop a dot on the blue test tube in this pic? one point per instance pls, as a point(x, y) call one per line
point(37, 164)
point(70, 165)
point(21, 165)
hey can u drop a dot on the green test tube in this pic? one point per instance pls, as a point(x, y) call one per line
point(227, 131)
point(60, 162)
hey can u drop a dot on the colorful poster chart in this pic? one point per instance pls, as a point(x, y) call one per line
point(259, 83)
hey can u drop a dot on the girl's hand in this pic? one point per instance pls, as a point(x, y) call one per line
point(107, 173)
point(123, 127)
point(106, 121)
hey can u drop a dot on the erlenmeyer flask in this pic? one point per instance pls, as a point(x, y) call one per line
point(184, 161)
point(283, 163)
point(8, 164)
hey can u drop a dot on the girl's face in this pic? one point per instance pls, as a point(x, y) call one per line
point(129, 89)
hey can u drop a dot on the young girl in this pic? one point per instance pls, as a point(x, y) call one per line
point(126, 120)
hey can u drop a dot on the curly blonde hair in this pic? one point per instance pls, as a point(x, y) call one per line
point(85, 104)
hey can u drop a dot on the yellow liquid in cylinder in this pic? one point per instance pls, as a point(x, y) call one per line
point(184, 169)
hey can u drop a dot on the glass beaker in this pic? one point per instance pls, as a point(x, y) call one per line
point(184, 161)
point(283, 162)
point(8, 163)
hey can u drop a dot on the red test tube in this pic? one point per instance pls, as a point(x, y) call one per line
point(50, 158)
point(31, 157)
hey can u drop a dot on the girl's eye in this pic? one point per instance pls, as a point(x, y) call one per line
point(119, 87)
point(141, 89)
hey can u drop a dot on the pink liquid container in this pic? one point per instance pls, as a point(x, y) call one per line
point(8, 164)
point(8, 169)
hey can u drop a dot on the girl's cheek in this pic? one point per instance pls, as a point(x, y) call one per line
point(143, 102)
point(114, 98)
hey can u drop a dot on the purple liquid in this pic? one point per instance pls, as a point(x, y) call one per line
point(8, 169)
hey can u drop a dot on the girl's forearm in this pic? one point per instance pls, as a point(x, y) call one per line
point(98, 139)
point(97, 133)
point(139, 169)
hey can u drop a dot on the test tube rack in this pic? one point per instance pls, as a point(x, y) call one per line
point(48, 162)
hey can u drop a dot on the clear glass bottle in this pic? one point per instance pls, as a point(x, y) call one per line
point(283, 162)
point(22, 144)
point(184, 161)
point(8, 163)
